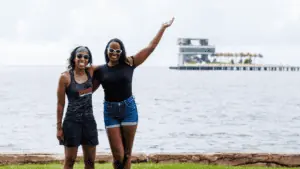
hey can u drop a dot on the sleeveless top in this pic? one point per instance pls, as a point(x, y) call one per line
point(80, 106)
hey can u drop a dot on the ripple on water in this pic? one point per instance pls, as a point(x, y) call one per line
point(213, 112)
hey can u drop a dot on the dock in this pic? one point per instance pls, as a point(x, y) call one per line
point(214, 67)
point(198, 54)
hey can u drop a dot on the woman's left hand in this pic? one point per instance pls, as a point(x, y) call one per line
point(167, 24)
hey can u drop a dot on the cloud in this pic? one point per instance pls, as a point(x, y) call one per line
point(45, 31)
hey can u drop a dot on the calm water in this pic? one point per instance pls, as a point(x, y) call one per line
point(180, 111)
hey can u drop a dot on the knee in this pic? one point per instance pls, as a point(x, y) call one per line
point(127, 156)
point(118, 154)
point(121, 163)
point(89, 163)
point(70, 161)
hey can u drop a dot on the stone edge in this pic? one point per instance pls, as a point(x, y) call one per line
point(230, 159)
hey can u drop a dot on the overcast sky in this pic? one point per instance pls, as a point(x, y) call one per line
point(43, 32)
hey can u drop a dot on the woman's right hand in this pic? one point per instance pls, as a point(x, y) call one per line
point(60, 134)
point(168, 24)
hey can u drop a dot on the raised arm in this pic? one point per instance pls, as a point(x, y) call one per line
point(142, 55)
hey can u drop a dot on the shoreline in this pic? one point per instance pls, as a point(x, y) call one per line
point(231, 159)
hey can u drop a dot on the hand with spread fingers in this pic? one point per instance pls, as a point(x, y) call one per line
point(169, 23)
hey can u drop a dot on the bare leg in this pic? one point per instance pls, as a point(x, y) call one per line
point(116, 146)
point(70, 157)
point(89, 154)
point(128, 133)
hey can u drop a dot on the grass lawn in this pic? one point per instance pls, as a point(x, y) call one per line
point(135, 166)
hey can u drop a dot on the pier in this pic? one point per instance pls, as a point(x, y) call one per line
point(213, 67)
point(198, 54)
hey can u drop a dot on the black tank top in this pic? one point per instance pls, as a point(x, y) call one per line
point(115, 80)
point(79, 99)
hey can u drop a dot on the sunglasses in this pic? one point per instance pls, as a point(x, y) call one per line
point(118, 51)
point(79, 56)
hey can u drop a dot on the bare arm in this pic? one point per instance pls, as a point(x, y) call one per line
point(61, 99)
point(92, 69)
point(96, 73)
point(96, 85)
point(142, 55)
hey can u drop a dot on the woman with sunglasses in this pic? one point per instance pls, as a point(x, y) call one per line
point(120, 111)
point(79, 126)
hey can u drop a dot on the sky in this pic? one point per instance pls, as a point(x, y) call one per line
point(44, 32)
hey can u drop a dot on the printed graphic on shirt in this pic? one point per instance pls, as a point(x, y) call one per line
point(85, 92)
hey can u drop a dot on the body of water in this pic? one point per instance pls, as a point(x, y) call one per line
point(179, 111)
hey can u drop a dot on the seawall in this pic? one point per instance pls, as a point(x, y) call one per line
point(231, 159)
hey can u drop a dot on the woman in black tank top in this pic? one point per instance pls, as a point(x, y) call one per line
point(120, 112)
point(79, 126)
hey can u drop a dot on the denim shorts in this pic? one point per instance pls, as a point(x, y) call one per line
point(122, 113)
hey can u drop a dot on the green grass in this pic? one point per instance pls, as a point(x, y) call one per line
point(135, 166)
